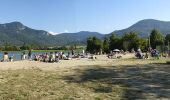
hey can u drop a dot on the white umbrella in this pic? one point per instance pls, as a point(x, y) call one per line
point(116, 50)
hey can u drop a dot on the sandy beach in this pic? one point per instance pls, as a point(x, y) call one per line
point(26, 64)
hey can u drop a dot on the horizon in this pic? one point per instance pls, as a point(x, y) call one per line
point(63, 16)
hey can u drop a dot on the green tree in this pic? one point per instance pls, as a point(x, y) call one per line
point(94, 45)
point(115, 42)
point(106, 45)
point(167, 39)
point(25, 47)
point(156, 38)
point(130, 41)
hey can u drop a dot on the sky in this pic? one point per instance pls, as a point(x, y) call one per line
point(104, 16)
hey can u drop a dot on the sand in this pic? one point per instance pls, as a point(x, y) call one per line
point(25, 64)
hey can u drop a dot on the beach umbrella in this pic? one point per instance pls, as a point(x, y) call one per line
point(116, 50)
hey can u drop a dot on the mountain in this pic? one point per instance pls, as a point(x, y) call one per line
point(144, 27)
point(79, 37)
point(18, 34)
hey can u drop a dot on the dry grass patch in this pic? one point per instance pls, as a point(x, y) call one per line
point(127, 79)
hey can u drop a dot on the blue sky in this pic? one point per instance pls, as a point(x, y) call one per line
point(102, 16)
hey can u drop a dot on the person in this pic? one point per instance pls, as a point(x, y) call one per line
point(68, 56)
point(56, 57)
point(139, 54)
point(64, 56)
point(5, 57)
point(72, 52)
point(156, 54)
point(35, 57)
point(52, 57)
point(29, 55)
point(23, 56)
point(11, 58)
point(146, 55)
point(46, 57)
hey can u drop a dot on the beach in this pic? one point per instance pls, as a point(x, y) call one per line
point(78, 62)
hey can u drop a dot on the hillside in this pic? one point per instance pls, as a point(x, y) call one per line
point(16, 33)
point(80, 37)
point(144, 27)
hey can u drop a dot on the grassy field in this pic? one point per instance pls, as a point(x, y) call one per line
point(128, 79)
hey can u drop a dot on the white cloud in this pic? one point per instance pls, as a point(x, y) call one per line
point(53, 33)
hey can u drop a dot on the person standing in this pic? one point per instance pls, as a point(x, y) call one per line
point(72, 52)
point(30, 55)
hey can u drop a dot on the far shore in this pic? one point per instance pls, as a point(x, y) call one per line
point(43, 51)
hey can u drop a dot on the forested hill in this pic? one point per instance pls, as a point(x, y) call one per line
point(16, 33)
point(144, 27)
point(79, 37)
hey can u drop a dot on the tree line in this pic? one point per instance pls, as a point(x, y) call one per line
point(129, 41)
point(9, 47)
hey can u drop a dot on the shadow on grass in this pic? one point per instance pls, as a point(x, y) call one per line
point(149, 81)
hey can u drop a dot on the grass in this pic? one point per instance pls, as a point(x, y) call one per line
point(142, 79)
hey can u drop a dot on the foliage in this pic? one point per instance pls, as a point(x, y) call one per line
point(132, 41)
point(106, 45)
point(128, 42)
point(115, 42)
point(156, 38)
point(94, 45)
point(167, 39)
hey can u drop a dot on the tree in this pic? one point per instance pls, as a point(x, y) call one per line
point(167, 39)
point(106, 45)
point(94, 45)
point(156, 38)
point(115, 42)
point(130, 41)
point(25, 47)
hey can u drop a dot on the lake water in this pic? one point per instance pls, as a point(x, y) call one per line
point(17, 55)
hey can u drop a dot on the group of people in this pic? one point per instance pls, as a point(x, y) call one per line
point(44, 57)
point(51, 57)
point(116, 54)
point(153, 53)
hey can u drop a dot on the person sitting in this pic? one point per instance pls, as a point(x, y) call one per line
point(52, 57)
point(56, 57)
point(64, 56)
point(35, 58)
point(23, 56)
point(5, 57)
point(46, 57)
point(11, 58)
point(139, 54)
